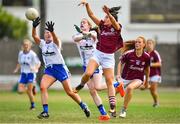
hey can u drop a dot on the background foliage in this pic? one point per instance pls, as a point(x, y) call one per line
point(11, 26)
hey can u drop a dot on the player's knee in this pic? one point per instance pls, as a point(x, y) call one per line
point(29, 90)
point(129, 89)
point(43, 89)
point(70, 93)
point(20, 91)
point(92, 92)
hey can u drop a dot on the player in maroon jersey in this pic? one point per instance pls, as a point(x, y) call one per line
point(109, 41)
point(136, 63)
point(155, 70)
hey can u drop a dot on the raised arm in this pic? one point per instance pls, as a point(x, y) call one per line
point(50, 27)
point(115, 24)
point(90, 13)
point(34, 33)
point(56, 40)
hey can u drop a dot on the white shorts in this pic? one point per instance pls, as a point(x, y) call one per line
point(127, 82)
point(104, 59)
point(155, 78)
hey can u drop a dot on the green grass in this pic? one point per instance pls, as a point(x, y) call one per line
point(14, 108)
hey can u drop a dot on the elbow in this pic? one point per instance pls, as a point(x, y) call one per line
point(117, 27)
point(74, 38)
point(160, 63)
point(33, 36)
point(90, 15)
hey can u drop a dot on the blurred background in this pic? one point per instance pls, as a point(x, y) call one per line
point(155, 19)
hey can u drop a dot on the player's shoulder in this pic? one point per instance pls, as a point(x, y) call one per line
point(32, 52)
point(146, 55)
point(20, 52)
point(93, 31)
point(129, 52)
point(42, 41)
point(156, 52)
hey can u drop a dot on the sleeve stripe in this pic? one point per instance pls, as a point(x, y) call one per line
point(158, 55)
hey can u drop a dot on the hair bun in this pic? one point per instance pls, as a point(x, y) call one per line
point(114, 13)
point(115, 9)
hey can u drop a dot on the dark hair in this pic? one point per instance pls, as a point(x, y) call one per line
point(114, 12)
point(96, 29)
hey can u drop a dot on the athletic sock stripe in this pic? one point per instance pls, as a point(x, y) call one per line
point(112, 100)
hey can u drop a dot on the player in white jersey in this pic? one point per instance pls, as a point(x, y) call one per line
point(86, 43)
point(29, 64)
point(55, 68)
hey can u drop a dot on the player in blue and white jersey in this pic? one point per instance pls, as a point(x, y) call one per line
point(55, 68)
point(29, 64)
point(86, 43)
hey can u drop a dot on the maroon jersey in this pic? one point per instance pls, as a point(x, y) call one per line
point(134, 66)
point(155, 57)
point(109, 39)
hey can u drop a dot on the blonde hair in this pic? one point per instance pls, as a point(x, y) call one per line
point(153, 41)
point(89, 23)
point(143, 38)
point(26, 41)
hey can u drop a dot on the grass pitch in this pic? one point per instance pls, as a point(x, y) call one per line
point(14, 108)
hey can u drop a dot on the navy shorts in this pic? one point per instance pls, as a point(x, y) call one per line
point(26, 78)
point(59, 71)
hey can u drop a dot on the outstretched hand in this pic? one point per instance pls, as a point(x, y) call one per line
point(36, 22)
point(50, 26)
point(105, 9)
point(83, 2)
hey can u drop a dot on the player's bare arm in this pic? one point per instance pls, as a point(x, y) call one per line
point(35, 36)
point(50, 27)
point(156, 64)
point(115, 24)
point(90, 13)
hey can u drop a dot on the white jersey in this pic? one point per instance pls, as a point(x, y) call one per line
point(28, 61)
point(51, 53)
point(86, 47)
